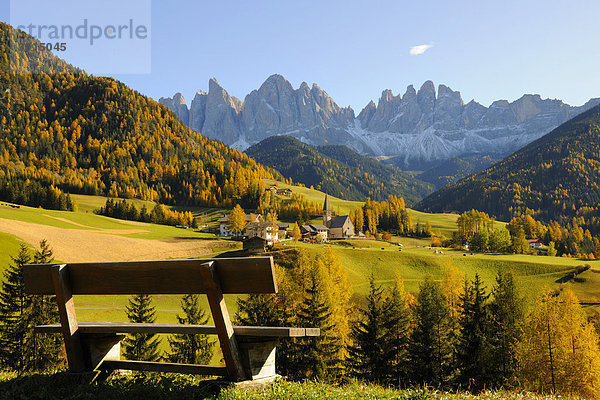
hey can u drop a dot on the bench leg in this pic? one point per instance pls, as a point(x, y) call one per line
point(258, 357)
point(68, 319)
point(101, 347)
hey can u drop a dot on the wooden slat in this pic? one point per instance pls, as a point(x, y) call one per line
point(244, 275)
point(164, 367)
point(225, 333)
point(129, 327)
point(68, 319)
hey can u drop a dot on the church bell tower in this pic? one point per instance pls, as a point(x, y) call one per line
point(326, 211)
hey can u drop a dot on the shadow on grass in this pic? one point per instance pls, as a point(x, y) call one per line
point(64, 386)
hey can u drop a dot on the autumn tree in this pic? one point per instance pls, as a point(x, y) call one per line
point(237, 219)
point(559, 352)
point(296, 234)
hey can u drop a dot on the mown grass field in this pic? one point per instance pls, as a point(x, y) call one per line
point(362, 258)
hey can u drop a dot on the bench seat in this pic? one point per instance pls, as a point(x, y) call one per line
point(95, 347)
point(128, 327)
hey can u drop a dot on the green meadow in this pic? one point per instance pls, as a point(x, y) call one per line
point(360, 257)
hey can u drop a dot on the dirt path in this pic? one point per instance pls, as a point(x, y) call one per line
point(77, 245)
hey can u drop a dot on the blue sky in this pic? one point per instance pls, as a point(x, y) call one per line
point(355, 49)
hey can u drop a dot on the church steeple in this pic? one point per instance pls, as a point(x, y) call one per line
point(326, 211)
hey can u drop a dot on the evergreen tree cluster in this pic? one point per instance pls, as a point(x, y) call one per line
point(183, 348)
point(159, 214)
point(21, 349)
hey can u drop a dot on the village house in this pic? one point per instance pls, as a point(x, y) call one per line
point(316, 232)
point(283, 227)
point(264, 230)
point(535, 243)
point(224, 224)
point(284, 192)
point(256, 245)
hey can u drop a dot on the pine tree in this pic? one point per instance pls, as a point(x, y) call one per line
point(429, 350)
point(397, 317)
point(191, 349)
point(473, 347)
point(505, 329)
point(141, 346)
point(368, 352)
point(20, 348)
point(316, 355)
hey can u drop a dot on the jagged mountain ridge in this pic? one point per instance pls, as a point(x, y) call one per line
point(418, 126)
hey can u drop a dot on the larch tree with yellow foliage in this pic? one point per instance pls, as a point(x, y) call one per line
point(237, 219)
point(559, 352)
point(338, 293)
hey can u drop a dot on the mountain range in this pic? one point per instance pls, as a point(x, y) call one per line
point(411, 130)
point(553, 177)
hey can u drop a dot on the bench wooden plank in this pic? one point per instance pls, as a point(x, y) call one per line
point(238, 276)
point(130, 327)
point(225, 333)
point(164, 367)
point(69, 327)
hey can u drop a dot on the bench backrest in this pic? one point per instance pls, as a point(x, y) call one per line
point(247, 275)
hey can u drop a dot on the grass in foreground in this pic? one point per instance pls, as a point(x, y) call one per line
point(177, 387)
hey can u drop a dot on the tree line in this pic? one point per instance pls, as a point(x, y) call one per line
point(159, 214)
point(477, 229)
point(388, 216)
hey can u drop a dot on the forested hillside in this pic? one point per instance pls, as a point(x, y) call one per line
point(337, 170)
point(66, 131)
point(451, 171)
point(556, 177)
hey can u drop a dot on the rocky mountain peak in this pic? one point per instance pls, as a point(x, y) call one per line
point(410, 93)
point(419, 125)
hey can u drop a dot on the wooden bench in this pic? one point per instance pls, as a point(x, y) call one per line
point(248, 351)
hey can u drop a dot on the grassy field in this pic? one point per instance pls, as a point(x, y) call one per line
point(384, 260)
point(63, 387)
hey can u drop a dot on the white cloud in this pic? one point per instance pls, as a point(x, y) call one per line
point(420, 49)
